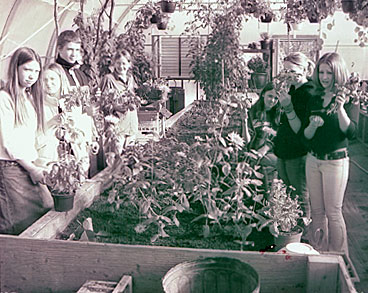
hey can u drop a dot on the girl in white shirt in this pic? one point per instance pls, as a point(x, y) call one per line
point(23, 199)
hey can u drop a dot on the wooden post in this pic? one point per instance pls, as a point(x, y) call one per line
point(322, 274)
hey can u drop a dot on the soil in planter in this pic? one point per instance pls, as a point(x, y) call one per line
point(117, 226)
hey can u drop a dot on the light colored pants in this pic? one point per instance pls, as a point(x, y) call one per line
point(292, 172)
point(326, 182)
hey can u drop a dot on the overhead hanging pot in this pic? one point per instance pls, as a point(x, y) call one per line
point(348, 6)
point(167, 6)
point(154, 19)
point(313, 17)
point(162, 24)
point(266, 18)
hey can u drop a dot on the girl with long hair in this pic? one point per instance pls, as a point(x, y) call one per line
point(57, 89)
point(264, 120)
point(23, 199)
point(327, 166)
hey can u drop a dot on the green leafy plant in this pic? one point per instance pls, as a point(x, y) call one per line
point(360, 16)
point(257, 64)
point(351, 91)
point(67, 174)
point(282, 210)
point(217, 62)
point(211, 177)
point(296, 12)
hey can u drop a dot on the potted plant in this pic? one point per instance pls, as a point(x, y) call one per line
point(217, 63)
point(162, 22)
point(296, 12)
point(317, 10)
point(259, 68)
point(168, 6)
point(284, 213)
point(68, 173)
point(348, 6)
point(268, 15)
point(266, 42)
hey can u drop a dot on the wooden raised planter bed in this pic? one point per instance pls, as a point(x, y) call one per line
point(35, 265)
point(36, 262)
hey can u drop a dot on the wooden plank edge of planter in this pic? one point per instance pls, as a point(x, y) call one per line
point(174, 118)
point(35, 265)
point(52, 223)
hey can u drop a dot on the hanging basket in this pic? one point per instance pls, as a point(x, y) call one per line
point(266, 18)
point(313, 17)
point(63, 202)
point(258, 80)
point(167, 6)
point(215, 275)
point(348, 6)
point(162, 25)
point(154, 19)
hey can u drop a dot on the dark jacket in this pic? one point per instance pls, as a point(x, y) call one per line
point(81, 75)
point(287, 144)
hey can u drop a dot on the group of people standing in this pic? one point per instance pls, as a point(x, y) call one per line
point(296, 132)
point(292, 131)
point(30, 103)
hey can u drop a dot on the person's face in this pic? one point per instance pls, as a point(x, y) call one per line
point(28, 73)
point(122, 65)
point(270, 99)
point(71, 52)
point(325, 75)
point(299, 73)
point(52, 82)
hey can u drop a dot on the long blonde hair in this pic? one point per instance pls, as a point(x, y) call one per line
point(338, 67)
point(64, 83)
point(22, 56)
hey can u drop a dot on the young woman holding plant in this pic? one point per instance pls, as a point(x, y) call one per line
point(264, 120)
point(288, 147)
point(84, 135)
point(327, 165)
point(121, 82)
point(23, 199)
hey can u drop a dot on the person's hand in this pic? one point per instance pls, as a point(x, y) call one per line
point(316, 121)
point(37, 175)
point(285, 99)
point(340, 101)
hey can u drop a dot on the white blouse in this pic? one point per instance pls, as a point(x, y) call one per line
point(17, 142)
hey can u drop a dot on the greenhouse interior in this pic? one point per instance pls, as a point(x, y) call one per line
point(183, 146)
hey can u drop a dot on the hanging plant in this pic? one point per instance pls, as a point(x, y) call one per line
point(267, 17)
point(154, 19)
point(348, 6)
point(313, 16)
point(217, 62)
point(360, 17)
point(167, 6)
